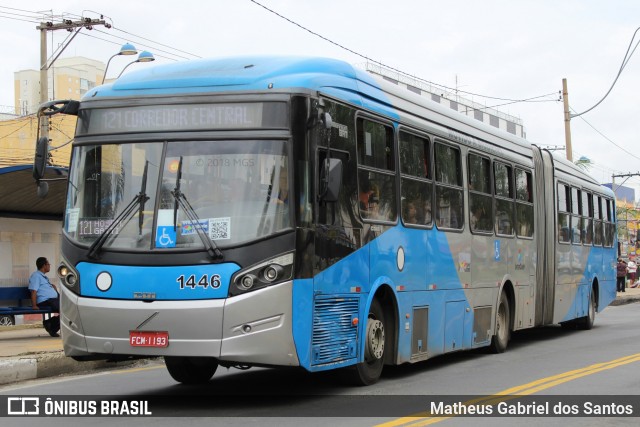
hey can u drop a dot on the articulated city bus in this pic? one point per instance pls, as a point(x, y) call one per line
point(280, 211)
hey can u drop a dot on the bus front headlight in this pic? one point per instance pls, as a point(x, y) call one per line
point(69, 277)
point(274, 270)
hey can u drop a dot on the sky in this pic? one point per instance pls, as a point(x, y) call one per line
point(509, 49)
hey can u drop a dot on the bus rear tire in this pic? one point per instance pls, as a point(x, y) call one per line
point(191, 370)
point(503, 331)
point(585, 323)
point(368, 371)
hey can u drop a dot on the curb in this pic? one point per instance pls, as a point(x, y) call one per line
point(625, 299)
point(29, 367)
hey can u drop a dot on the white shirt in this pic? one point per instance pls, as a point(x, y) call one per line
point(632, 267)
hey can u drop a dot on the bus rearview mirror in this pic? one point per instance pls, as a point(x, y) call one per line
point(41, 157)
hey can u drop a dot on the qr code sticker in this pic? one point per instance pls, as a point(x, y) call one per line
point(220, 228)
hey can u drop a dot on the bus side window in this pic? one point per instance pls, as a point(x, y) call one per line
point(610, 226)
point(415, 185)
point(524, 203)
point(376, 171)
point(564, 206)
point(503, 182)
point(597, 215)
point(588, 214)
point(480, 200)
point(449, 196)
point(575, 215)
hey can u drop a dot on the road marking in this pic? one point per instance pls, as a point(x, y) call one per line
point(424, 418)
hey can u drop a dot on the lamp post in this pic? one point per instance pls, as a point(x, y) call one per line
point(126, 49)
point(145, 56)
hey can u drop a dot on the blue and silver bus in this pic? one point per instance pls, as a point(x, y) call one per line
point(281, 211)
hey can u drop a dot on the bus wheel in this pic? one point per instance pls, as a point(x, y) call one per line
point(503, 319)
point(587, 321)
point(191, 370)
point(368, 372)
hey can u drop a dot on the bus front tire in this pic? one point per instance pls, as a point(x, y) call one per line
point(191, 370)
point(368, 371)
point(503, 321)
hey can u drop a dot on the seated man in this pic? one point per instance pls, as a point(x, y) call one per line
point(45, 294)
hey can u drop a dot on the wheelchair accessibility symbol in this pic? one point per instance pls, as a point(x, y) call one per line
point(165, 237)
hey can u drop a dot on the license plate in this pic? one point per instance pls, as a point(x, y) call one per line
point(148, 338)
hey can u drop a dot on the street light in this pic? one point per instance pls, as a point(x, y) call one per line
point(126, 49)
point(144, 56)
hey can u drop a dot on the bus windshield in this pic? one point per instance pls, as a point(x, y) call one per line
point(235, 191)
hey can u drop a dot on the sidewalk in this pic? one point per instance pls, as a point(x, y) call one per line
point(28, 352)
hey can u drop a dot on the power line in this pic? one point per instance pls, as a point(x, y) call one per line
point(32, 15)
point(609, 139)
point(513, 101)
point(34, 21)
point(625, 61)
point(160, 44)
point(155, 46)
point(119, 43)
point(534, 99)
point(21, 10)
point(137, 43)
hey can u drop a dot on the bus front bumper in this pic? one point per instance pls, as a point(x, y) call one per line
point(254, 328)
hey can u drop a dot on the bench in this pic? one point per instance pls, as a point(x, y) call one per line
point(18, 294)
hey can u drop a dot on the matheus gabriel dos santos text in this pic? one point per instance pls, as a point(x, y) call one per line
point(530, 408)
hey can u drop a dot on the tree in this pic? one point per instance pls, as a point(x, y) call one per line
point(584, 163)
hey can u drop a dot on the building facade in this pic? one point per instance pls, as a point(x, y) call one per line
point(69, 78)
point(18, 140)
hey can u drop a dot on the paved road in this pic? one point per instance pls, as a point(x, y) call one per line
point(546, 364)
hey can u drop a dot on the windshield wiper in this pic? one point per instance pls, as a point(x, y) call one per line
point(181, 200)
point(139, 199)
point(143, 190)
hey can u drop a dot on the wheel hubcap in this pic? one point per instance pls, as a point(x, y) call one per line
point(501, 323)
point(375, 340)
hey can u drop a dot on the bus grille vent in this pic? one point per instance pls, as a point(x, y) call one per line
point(334, 334)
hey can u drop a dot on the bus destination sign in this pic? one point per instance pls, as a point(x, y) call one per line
point(183, 117)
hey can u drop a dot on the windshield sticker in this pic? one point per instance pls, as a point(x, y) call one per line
point(220, 228)
point(189, 227)
point(165, 231)
point(73, 215)
point(165, 237)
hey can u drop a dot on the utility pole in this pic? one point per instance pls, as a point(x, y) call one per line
point(567, 120)
point(623, 175)
point(45, 64)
